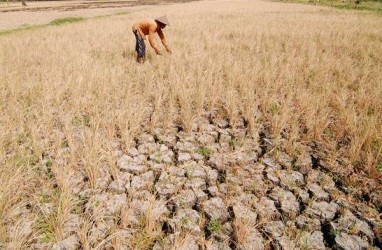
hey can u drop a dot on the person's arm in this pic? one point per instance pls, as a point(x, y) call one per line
point(163, 40)
point(142, 34)
point(152, 42)
point(136, 27)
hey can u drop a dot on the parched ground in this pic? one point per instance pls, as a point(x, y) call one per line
point(216, 187)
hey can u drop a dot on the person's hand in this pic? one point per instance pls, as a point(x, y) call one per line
point(158, 52)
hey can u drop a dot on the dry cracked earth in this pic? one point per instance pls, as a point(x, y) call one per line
point(217, 188)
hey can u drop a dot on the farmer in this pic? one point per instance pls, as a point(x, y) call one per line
point(148, 27)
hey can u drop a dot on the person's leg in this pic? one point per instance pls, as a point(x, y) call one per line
point(136, 43)
point(141, 50)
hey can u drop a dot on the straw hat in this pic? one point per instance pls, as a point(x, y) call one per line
point(163, 19)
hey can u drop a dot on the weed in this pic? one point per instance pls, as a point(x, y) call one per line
point(45, 229)
point(232, 143)
point(67, 20)
point(274, 109)
point(375, 6)
point(328, 132)
point(47, 237)
point(50, 175)
point(336, 233)
point(31, 160)
point(185, 221)
point(77, 209)
point(23, 137)
point(206, 152)
point(146, 234)
point(65, 144)
point(297, 150)
point(157, 157)
point(182, 203)
point(370, 111)
point(82, 120)
point(376, 145)
point(97, 203)
point(158, 139)
point(49, 164)
point(214, 226)
point(379, 167)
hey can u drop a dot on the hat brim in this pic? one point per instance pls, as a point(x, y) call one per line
point(163, 20)
point(163, 23)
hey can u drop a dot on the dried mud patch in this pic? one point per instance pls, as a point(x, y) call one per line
point(193, 190)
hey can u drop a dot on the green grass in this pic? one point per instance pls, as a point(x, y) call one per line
point(67, 20)
point(49, 164)
point(369, 5)
point(83, 120)
point(24, 27)
point(214, 226)
point(57, 22)
point(205, 151)
point(379, 167)
point(45, 230)
point(158, 139)
point(375, 6)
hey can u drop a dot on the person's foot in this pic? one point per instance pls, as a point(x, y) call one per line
point(140, 59)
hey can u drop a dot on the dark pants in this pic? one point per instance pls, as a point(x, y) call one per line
point(140, 46)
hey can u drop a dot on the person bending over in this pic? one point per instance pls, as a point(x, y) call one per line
point(148, 27)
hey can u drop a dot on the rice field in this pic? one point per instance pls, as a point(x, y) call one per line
point(68, 93)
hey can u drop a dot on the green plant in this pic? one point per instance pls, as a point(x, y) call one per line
point(328, 132)
point(376, 145)
point(184, 221)
point(274, 109)
point(23, 137)
point(65, 144)
point(205, 151)
point(370, 111)
point(158, 139)
point(50, 175)
point(49, 164)
point(45, 229)
point(31, 160)
point(182, 203)
point(336, 233)
point(62, 21)
point(297, 149)
point(157, 157)
point(97, 203)
point(232, 143)
point(146, 235)
point(47, 237)
point(379, 167)
point(214, 226)
point(83, 120)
